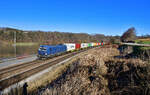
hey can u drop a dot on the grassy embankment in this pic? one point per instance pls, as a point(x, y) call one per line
point(95, 72)
point(143, 41)
point(99, 73)
point(142, 51)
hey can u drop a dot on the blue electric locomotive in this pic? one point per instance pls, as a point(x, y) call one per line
point(46, 51)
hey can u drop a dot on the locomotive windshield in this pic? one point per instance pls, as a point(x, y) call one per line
point(42, 48)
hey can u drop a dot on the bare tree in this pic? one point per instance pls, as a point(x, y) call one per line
point(129, 35)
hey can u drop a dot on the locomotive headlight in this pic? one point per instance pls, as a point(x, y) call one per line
point(45, 53)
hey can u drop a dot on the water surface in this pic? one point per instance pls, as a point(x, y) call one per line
point(9, 51)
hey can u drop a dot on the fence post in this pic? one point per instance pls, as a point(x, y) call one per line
point(25, 88)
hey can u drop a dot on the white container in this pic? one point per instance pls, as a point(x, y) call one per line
point(92, 44)
point(84, 45)
point(70, 46)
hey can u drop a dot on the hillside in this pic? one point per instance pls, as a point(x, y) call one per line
point(7, 35)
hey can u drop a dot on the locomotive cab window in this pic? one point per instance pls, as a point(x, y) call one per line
point(42, 49)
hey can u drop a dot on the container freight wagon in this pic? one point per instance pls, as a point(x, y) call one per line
point(84, 45)
point(46, 51)
point(95, 44)
point(101, 43)
point(92, 44)
point(78, 46)
point(89, 44)
point(70, 46)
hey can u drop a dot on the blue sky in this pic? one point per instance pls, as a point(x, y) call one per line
point(109, 17)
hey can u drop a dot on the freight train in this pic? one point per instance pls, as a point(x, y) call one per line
point(46, 51)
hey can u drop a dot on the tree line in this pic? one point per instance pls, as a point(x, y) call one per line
point(55, 37)
point(8, 34)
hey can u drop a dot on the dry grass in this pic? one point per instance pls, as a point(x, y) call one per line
point(98, 73)
point(147, 39)
point(144, 41)
point(128, 76)
point(85, 76)
point(104, 53)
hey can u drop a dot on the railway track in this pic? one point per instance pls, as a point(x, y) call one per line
point(12, 75)
point(7, 72)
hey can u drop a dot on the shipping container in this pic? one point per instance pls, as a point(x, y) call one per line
point(94, 44)
point(78, 46)
point(84, 45)
point(89, 44)
point(70, 46)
